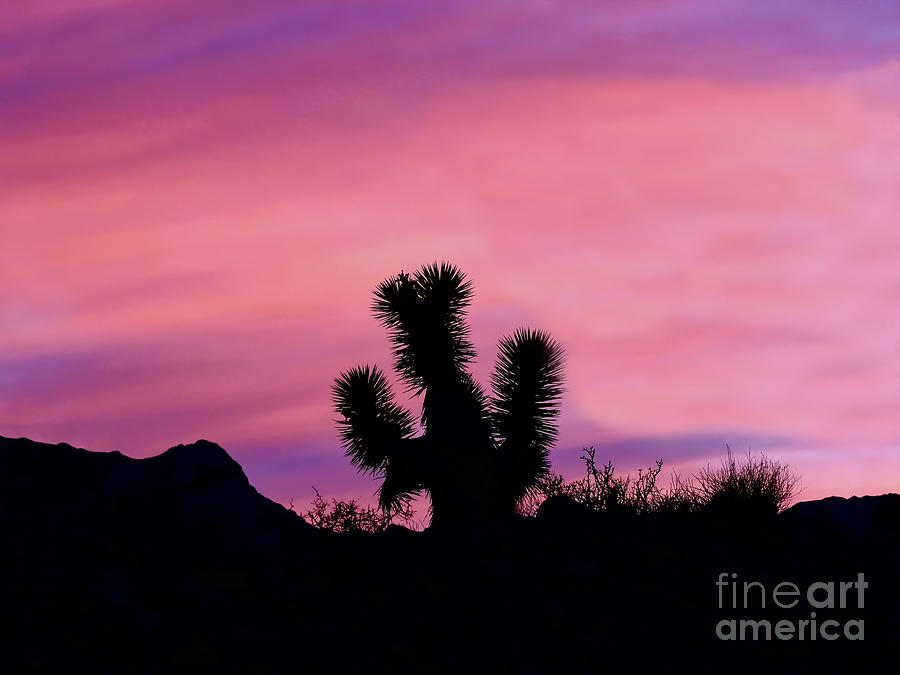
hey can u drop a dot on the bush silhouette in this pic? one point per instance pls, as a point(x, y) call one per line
point(601, 489)
point(349, 516)
point(751, 490)
point(755, 488)
point(478, 455)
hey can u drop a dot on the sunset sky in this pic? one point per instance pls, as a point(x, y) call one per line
point(700, 200)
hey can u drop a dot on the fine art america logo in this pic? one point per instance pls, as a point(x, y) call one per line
point(819, 625)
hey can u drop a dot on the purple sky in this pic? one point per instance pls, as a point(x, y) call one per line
point(698, 199)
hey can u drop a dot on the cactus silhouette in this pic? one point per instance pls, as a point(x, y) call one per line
point(478, 455)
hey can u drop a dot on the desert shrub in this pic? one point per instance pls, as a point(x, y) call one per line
point(680, 497)
point(755, 485)
point(349, 516)
point(528, 505)
point(602, 489)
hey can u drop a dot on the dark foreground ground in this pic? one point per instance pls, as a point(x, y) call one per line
point(175, 564)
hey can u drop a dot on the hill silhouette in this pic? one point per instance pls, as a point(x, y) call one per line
point(189, 491)
point(176, 564)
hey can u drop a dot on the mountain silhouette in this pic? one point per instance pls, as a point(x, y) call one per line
point(176, 564)
point(860, 521)
point(194, 490)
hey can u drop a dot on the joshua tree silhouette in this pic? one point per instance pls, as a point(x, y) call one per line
point(478, 455)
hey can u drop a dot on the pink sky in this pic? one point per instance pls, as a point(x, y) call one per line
point(698, 199)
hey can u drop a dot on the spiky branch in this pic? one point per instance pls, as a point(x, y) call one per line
point(478, 454)
point(372, 424)
point(527, 386)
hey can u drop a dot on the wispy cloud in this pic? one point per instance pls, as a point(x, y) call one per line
point(697, 198)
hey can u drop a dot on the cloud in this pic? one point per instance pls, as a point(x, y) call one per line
point(629, 453)
point(698, 199)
